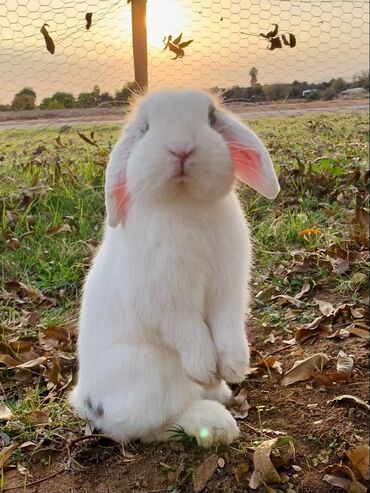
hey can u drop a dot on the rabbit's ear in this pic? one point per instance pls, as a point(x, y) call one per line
point(116, 196)
point(252, 162)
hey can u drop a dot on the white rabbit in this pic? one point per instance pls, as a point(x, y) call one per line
point(162, 318)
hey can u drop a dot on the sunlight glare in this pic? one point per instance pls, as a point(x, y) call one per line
point(164, 17)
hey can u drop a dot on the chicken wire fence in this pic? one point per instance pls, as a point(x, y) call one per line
point(73, 45)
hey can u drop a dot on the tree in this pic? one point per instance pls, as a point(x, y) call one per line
point(23, 102)
point(85, 100)
point(105, 97)
point(123, 96)
point(89, 99)
point(253, 73)
point(361, 80)
point(24, 99)
point(28, 91)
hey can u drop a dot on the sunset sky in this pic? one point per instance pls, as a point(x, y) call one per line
point(332, 41)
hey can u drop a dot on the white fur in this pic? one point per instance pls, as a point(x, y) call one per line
point(162, 316)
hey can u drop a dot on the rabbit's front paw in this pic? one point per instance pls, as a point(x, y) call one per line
point(201, 365)
point(233, 364)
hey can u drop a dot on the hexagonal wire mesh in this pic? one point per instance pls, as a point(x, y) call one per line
point(331, 41)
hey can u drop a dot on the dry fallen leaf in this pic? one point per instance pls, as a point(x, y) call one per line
point(309, 232)
point(221, 462)
point(285, 298)
point(343, 373)
point(23, 469)
point(349, 397)
point(239, 405)
point(340, 265)
point(204, 472)
point(58, 228)
point(6, 453)
point(241, 471)
point(264, 470)
point(357, 331)
point(37, 417)
point(271, 362)
point(305, 288)
point(344, 364)
point(5, 412)
point(325, 307)
point(342, 477)
point(303, 369)
point(7, 361)
point(359, 457)
point(13, 243)
point(33, 363)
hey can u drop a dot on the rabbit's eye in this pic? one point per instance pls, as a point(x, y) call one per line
point(212, 117)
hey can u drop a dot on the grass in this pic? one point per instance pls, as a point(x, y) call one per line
point(46, 183)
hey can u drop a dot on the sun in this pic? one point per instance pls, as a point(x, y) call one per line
point(164, 17)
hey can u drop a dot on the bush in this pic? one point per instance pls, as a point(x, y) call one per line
point(313, 96)
point(328, 94)
point(51, 104)
point(277, 91)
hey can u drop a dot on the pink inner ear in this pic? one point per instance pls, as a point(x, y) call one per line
point(122, 198)
point(247, 164)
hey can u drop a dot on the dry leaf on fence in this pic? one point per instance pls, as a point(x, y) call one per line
point(292, 40)
point(88, 18)
point(49, 42)
point(204, 472)
point(271, 34)
point(304, 369)
point(264, 469)
point(342, 477)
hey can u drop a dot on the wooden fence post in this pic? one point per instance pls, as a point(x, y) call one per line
point(139, 42)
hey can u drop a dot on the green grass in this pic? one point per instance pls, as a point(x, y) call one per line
point(318, 158)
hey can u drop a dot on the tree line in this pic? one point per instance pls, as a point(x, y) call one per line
point(255, 92)
point(26, 99)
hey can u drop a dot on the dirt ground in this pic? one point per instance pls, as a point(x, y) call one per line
point(322, 432)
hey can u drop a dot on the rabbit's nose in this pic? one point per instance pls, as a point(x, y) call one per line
point(182, 155)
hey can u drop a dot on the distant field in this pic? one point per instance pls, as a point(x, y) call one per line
point(311, 252)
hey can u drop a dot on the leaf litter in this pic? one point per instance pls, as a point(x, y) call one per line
point(29, 339)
